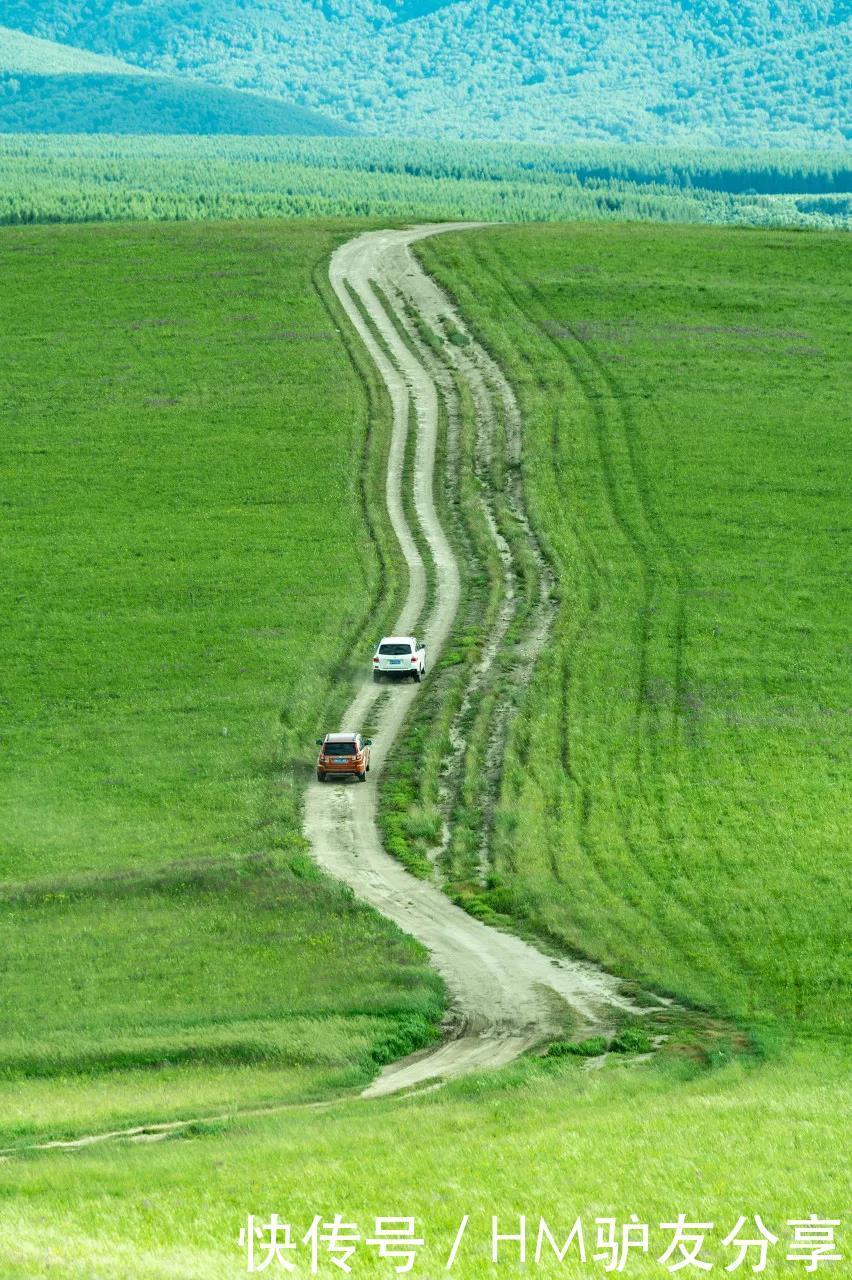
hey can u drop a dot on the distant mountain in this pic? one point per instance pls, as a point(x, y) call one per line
point(46, 87)
point(724, 72)
point(20, 52)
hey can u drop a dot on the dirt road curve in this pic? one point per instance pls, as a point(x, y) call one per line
point(506, 995)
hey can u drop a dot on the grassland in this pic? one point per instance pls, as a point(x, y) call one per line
point(168, 551)
point(180, 416)
point(672, 799)
point(540, 1138)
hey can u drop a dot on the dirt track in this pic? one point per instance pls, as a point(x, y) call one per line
point(505, 994)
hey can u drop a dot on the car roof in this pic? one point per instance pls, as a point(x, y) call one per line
point(340, 737)
point(397, 640)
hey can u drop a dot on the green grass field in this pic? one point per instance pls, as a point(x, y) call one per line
point(539, 1138)
point(185, 573)
point(674, 801)
point(168, 564)
point(671, 800)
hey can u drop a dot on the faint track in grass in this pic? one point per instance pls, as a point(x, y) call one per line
point(662, 573)
point(523, 617)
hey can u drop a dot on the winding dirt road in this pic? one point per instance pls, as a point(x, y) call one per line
point(505, 995)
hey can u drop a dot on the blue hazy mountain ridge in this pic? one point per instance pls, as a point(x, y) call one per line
point(46, 87)
point(147, 104)
point(709, 73)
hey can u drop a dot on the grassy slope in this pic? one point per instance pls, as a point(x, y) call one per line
point(180, 417)
point(136, 104)
point(538, 1138)
point(34, 56)
point(673, 798)
point(168, 558)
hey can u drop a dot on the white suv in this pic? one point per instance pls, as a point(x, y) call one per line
point(399, 656)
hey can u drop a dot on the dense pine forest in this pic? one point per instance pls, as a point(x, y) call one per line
point(92, 179)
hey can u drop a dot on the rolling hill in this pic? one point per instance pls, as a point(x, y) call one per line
point(181, 414)
point(47, 87)
point(711, 72)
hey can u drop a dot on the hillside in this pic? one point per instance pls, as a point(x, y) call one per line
point(711, 73)
point(181, 414)
point(672, 773)
point(34, 56)
point(176, 407)
point(47, 87)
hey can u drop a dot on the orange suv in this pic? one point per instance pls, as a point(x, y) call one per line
point(343, 755)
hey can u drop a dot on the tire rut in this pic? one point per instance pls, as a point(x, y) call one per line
point(505, 994)
point(496, 455)
point(662, 573)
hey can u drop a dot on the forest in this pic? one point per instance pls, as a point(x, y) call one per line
point(718, 72)
point(47, 178)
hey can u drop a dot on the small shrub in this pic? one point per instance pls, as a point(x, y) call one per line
point(423, 824)
point(631, 1040)
point(405, 1036)
point(593, 1047)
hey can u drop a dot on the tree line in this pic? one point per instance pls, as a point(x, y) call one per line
point(46, 178)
